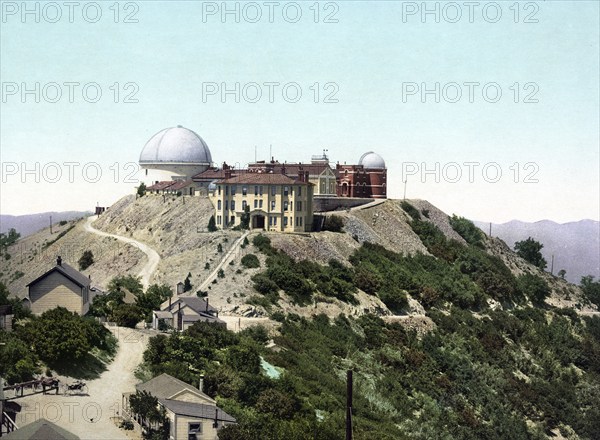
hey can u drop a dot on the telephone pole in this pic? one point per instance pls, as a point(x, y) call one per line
point(349, 405)
point(50, 224)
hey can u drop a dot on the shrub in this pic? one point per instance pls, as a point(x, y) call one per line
point(263, 244)
point(62, 222)
point(534, 287)
point(86, 260)
point(250, 261)
point(141, 191)
point(264, 285)
point(212, 225)
point(467, 230)
point(411, 210)
point(221, 274)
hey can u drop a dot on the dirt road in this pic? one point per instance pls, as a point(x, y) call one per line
point(153, 257)
point(89, 416)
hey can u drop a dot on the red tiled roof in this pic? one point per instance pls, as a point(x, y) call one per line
point(264, 179)
point(180, 184)
point(161, 185)
point(215, 174)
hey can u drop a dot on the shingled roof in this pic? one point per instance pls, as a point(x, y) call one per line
point(197, 410)
point(70, 272)
point(41, 429)
point(166, 386)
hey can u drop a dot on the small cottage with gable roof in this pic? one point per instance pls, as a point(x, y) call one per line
point(61, 286)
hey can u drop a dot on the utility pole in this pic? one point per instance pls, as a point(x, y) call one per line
point(490, 229)
point(404, 197)
point(349, 405)
point(50, 224)
point(552, 266)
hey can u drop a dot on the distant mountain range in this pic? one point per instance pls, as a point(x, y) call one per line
point(28, 224)
point(575, 245)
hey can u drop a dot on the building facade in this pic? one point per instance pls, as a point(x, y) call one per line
point(368, 179)
point(61, 286)
point(274, 202)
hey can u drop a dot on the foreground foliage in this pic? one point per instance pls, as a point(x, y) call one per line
point(472, 377)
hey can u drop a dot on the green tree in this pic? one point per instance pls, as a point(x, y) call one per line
point(18, 363)
point(212, 226)
point(146, 405)
point(126, 283)
point(562, 273)
point(187, 284)
point(529, 250)
point(534, 287)
point(141, 191)
point(86, 260)
point(151, 300)
point(18, 309)
point(127, 315)
point(250, 261)
point(58, 336)
point(9, 239)
point(245, 218)
point(591, 289)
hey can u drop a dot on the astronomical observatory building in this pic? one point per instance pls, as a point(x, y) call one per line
point(173, 154)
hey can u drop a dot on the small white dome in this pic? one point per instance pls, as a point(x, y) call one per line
point(371, 160)
point(176, 145)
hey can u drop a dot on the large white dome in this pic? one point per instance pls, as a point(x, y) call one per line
point(371, 160)
point(176, 145)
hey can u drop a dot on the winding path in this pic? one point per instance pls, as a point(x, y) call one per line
point(153, 257)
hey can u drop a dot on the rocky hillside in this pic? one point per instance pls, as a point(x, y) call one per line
point(176, 228)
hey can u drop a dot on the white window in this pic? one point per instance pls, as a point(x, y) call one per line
point(218, 204)
point(233, 188)
point(193, 430)
point(260, 203)
point(272, 205)
point(244, 204)
point(244, 190)
point(285, 221)
point(255, 203)
point(233, 205)
point(285, 205)
point(273, 190)
point(286, 190)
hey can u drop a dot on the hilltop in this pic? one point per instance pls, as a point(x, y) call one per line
point(575, 245)
point(176, 229)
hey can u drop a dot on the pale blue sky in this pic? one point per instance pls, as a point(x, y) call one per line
point(369, 53)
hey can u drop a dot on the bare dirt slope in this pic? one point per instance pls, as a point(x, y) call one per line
point(175, 227)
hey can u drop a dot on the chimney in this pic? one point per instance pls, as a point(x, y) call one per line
point(206, 304)
point(301, 175)
point(227, 173)
point(201, 383)
point(59, 261)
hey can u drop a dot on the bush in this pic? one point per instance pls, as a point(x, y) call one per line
point(141, 191)
point(467, 230)
point(411, 210)
point(86, 260)
point(212, 225)
point(62, 222)
point(333, 223)
point(534, 287)
point(250, 261)
point(264, 285)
